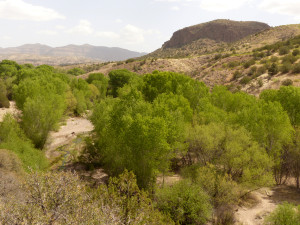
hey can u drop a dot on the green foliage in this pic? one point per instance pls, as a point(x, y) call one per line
point(289, 59)
point(287, 82)
point(284, 214)
point(296, 68)
point(14, 139)
point(135, 135)
point(100, 81)
point(296, 52)
point(134, 204)
point(76, 71)
point(245, 80)
point(289, 98)
point(4, 103)
point(283, 50)
point(221, 188)
point(168, 82)
point(273, 69)
point(117, 79)
point(269, 125)
point(249, 63)
point(186, 203)
point(286, 67)
point(241, 158)
point(40, 115)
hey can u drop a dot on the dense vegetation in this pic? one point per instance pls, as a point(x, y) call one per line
point(223, 145)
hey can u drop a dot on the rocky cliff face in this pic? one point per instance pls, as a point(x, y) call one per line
point(217, 30)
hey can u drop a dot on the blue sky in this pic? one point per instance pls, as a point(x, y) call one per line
point(139, 25)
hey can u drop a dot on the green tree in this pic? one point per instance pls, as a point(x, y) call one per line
point(4, 103)
point(40, 115)
point(185, 202)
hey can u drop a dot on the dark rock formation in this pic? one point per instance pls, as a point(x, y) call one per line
point(217, 30)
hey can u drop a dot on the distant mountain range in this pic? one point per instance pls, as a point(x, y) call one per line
point(94, 53)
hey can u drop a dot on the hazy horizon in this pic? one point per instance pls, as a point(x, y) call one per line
point(136, 25)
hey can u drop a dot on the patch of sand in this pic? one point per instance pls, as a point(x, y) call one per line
point(12, 110)
point(268, 201)
point(73, 127)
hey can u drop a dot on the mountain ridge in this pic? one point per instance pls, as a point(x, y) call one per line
point(98, 53)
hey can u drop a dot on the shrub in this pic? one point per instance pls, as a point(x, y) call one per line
point(76, 71)
point(274, 59)
point(295, 52)
point(129, 60)
point(261, 70)
point(284, 50)
point(245, 80)
point(289, 59)
point(286, 67)
point(4, 103)
point(185, 202)
point(284, 214)
point(260, 82)
point(287, 82)
point(237, 74)
point(252, 70)
point(273, 69)
point(296, 68)
point(233, 64)
point(249, 63)
point(14, 139)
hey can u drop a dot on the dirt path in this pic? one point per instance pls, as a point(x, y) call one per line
point(12, 109)
point(256, 214)
point(73, 127)
point(268, 199)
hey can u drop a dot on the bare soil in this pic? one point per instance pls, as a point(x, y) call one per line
point(73, 127)
point(12, 110)
point(267, 201)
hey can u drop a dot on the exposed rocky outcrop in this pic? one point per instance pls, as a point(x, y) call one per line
point(217, 30)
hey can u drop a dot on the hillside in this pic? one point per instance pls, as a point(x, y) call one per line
point(70, 54)
point(217, 30)
point(243, 64)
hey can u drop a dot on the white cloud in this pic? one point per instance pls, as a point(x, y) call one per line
point(5, 37)
point(107, 34)
point(59, 27)
point(20, 10)
point(221, 5)
point(175, 8)
point(284, 7)
point(119, 21)
point(84, 27)
point(132, 34)
point(47, 32)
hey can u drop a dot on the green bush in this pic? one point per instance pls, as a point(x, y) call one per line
point(296, 68)
point(14, 139)
point(284, 50)
point(261, 70)
point(237, 74)
point(286, 67)
point(284, 214)
point(186, 203)
point(289, 59)
point(295, 52)
point(274, 59)
point(245, 80)
point(76, 71)
point(4, 103)
point(273, 69)
point(249, 63)
point(287, 82)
